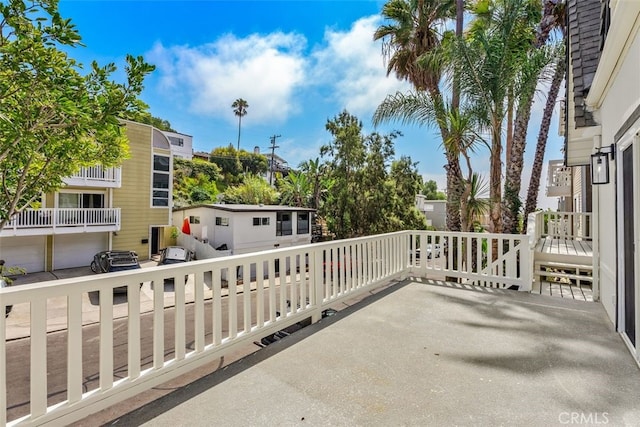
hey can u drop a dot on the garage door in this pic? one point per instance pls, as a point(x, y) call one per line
point(77, 250)
point(24, 251)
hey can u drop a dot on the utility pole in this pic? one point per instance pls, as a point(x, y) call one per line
point(273, 150)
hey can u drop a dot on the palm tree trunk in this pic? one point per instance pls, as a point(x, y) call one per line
point(495, 178)
point(239, 122)
point(513, 178)
point(536, 171)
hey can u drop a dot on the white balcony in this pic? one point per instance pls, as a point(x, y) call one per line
point(558, 179)
point(317, 277)
point(96, 176)
point(34, 222)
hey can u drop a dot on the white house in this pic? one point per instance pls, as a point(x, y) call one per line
point(181, 144)
point(603, 129)
point(434, 210)
point(248, 228)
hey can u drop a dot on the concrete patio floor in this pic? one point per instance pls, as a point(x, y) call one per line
point(424, 353)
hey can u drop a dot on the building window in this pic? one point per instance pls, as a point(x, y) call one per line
point(303, 223)
point(194, 219)
point(284, 227)
point(80, 200)
point(161, 176)
point(257, 221)
point(176, 141)
point(223, 222)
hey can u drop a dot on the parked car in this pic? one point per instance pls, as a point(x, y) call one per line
point(175, 254)
point(433, 251)
point(4, 284)
point(109, 261)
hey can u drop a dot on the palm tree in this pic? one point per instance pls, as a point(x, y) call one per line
point(553, 18)
point(535, 68)
point(239, 109)
point(412, 48)
point(487, 62)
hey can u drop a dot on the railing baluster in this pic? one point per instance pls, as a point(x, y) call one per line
point(106, 339)
point(216, 309)
point(3, 371)
point(133, 321)
point(158, 322)
point(293, 273)
point(233, 302)
point(246, 296)
point(74, 348)
point(179, 320)
point(272, 289)
point(198, 296)
point(260, 293)
point(38, 357)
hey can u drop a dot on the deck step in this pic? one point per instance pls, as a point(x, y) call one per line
point(565, 275)
point(565, 265)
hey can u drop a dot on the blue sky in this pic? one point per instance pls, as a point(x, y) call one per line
point(297, 64)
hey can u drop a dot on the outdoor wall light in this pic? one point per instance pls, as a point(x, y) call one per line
point(600, 164)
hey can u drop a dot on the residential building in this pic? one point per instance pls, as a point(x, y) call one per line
point(181, 144)
point(571, 185)
point(602, 132)
point(248, 228)
point(434, 210)
point(98, 209)
point(276, 165)
point(202, 155)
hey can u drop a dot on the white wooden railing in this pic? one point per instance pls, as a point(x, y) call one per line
point(61, 220)
point(486, 259)
point(560, 225)
point(96, 176)
point(230, 310)
point(559, 179)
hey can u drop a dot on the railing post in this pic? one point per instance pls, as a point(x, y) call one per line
point(316, 285)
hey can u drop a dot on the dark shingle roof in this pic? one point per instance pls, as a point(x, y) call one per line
point(584, 39)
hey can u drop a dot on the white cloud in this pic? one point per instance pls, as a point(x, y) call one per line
point(272, 71)
point(264, 70)
point(352, 62)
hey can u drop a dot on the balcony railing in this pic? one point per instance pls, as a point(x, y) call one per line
point(560, 225)
point(558, 179)
point(96, 176)
point(261, 293)
point(62, 221)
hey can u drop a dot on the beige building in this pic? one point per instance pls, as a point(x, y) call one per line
point(126, 208)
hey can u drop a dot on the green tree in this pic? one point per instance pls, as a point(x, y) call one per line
point(319, 181)
point(156, 122)
point(407, 183)
point(239, 109)
point(194, 182)
point(235, 163)
point(295, 189)
point(369, 193)
point(430, 191)
point(53, 118)
point(345, 153)
point(253, 191)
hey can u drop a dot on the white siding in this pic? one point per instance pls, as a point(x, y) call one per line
point(619, 102)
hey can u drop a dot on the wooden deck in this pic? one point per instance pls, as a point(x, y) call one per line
point(564, 250)
point(563, 268)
